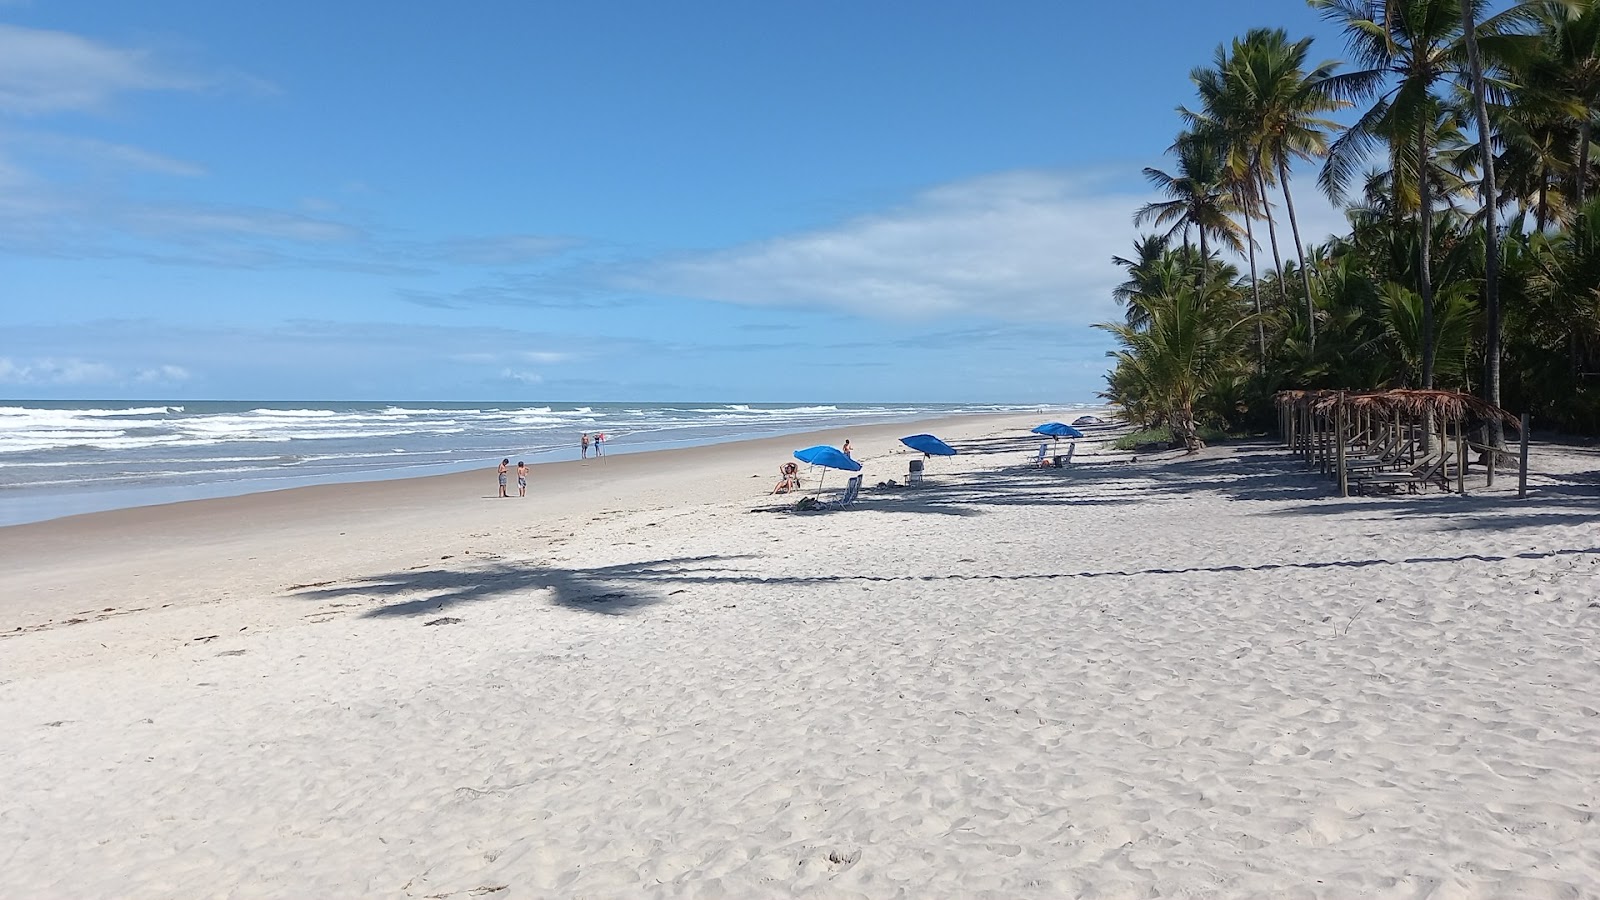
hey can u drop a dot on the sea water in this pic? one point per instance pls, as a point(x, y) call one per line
point(63, 458)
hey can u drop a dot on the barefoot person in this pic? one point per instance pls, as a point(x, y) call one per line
point(583, 446)
point(846, 448)
point(504, 466)
point(599, 443)
point(522, 478)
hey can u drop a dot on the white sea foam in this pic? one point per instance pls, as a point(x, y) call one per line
point(196, 444)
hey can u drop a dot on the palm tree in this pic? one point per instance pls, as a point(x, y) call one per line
point(1570, 69)
point(1406, 48)
point(1490, 196)
point(1199, 196)
point(1153, 270)
point(1226, 113)
point(1191, 345)
point(1244, 185)
point(1535, 136)
point(1282, 105)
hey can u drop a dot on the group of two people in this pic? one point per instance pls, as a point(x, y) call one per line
point(599, 444)
point(522, 477)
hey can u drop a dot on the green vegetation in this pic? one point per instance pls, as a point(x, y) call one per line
point(1427, 288)
point(1163, 435)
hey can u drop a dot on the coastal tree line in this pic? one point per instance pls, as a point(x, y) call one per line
point(1462, 155)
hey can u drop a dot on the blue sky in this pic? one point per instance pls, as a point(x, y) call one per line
point(583, 201)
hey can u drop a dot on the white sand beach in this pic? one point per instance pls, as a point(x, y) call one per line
point(1176, 677)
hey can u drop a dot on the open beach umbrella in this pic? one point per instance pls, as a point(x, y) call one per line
point(928, 444)
point(828, 458)
point(1058, 430)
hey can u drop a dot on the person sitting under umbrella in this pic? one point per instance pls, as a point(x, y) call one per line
point(790, 479)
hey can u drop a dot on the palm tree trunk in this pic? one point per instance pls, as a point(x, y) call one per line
point(1583, 160)
point(1205, 255)
point(1272, 234)
point(1541, 213)
point(1255, 289)
point(1425, 250)
point(1491, 233)
point(1300, 253)
point(1185, 429)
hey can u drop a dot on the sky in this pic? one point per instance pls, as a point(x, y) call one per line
point(626, 201)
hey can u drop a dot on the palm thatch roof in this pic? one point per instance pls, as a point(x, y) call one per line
point(1451, 406)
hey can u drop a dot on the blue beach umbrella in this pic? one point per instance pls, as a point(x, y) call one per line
point(927, 443)
point(1058, 430)
point(828, 458)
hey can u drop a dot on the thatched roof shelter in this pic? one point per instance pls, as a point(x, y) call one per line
point(1299, 398)
point(1449, 406)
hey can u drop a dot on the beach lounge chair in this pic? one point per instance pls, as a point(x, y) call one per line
point(1412, 481)
point(851, 491)
point(1046, 460)
point(1388, 456)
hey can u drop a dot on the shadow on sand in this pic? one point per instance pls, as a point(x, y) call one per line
point(605, 590)
point(1255, 473)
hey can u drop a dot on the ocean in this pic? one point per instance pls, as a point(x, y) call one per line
point(64, 458)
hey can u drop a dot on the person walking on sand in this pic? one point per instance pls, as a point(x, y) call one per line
point(583, 446)
point(522, 478)
point(504, 467)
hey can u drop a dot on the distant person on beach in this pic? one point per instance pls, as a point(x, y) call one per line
point(847, 447)
point(504, 468)
point(583, 446)
point(599, 443)
point(522, 478)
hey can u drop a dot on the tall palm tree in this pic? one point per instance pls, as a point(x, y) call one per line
point(1490, 196)
point(1405, 49)
point(1533, 163)
point(1224, 115)
point(1246, 196)
point(1283, 104)
point(1199, 196)
point(1570, 68)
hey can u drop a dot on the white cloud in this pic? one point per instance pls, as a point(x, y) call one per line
point(101, 154)
point(75, 371)
point(545, 357)
point(495, 250)
point(164, 374)
point(1022, 246)
point(173, 221)
point(51, 71)
point(521, 377)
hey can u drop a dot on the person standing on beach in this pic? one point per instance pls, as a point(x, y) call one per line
point(599, 443)
point(504, 466)
point(522, 478)
point(583, 446)
point(847, 447)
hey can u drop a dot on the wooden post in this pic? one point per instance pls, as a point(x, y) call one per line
point(1461, 457)
point(1344, 484)
point(1494, 456)
point(1444, 450)
point(1323, 427)
point(1522, 467)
